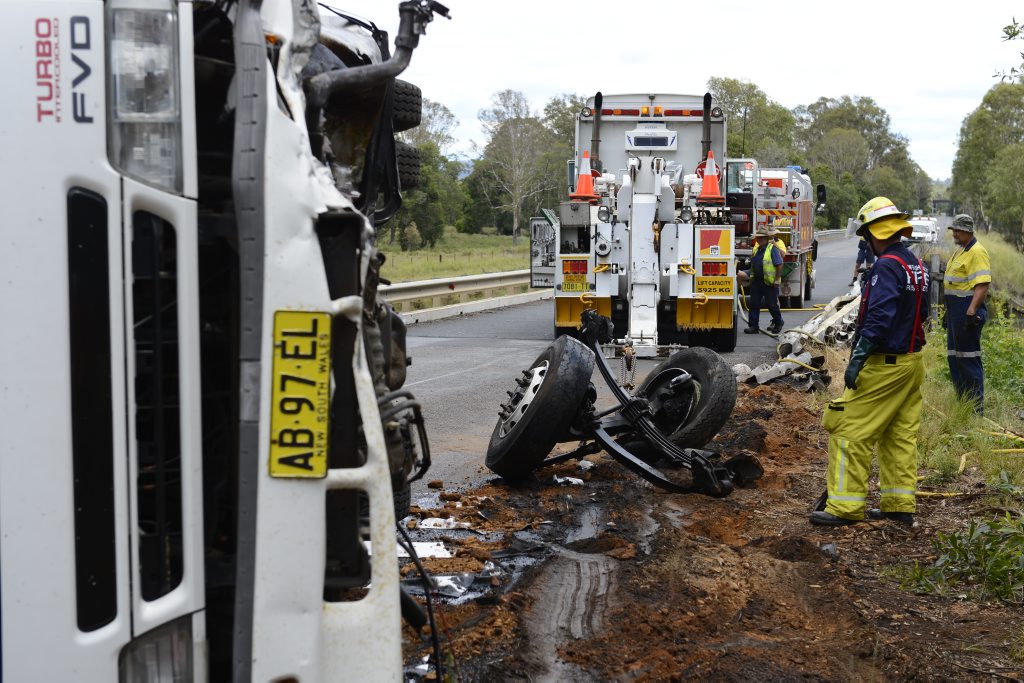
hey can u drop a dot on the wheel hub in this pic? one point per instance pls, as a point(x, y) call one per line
point(522, 397)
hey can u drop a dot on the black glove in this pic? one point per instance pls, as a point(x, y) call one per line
point(972, 322)
point(858, 357)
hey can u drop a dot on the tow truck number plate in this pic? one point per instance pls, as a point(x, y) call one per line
point(300, 394)
point(715, 286)
point(575, 282)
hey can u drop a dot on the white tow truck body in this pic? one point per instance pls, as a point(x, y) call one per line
point(176, 351)
point(661, 266)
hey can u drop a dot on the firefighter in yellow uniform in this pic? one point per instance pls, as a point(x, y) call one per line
point(882, 402)
point(967, 280)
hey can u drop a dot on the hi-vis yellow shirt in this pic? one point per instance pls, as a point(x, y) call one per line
point(968, 267)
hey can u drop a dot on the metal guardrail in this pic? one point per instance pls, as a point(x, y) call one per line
point(453, 290)
point(447, 291)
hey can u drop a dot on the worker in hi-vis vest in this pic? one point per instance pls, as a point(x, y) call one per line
point(882, 402)
point(967, 280)
point(765, 277)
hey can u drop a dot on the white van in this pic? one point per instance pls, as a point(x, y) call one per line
point(924, 229)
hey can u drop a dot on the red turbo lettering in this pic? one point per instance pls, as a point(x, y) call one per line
point(44, 69)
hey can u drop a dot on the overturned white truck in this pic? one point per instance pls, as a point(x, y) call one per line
point(204, 420)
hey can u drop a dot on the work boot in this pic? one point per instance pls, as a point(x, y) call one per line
point(775, 328)
point(828, 519)
point(750, 330)
point(901, 517)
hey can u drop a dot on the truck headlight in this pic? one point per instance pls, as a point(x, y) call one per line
point(144, 116)
point(163, 655)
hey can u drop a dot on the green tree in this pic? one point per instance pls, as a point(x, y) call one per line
point(1005, 191)
point(843, 197)
point(998, 122)
point(1013, 31)
point(861, 114)
point(437, 201)
point(437, 125)
point(887, 182)
point(758, 127)
point(842, 150)
point(410, 238)
point(517, 142)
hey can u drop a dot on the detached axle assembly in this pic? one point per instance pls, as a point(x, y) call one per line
point(681, 405)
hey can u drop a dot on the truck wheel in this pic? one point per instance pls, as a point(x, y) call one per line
point(544, 402)
point(725, 340)
point(408, 158)
point(692, 415)
point(407, 106)
point(570, 331)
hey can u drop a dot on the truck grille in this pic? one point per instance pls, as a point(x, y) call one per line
point(157, 430)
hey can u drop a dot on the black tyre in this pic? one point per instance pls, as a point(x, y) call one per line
point(691, 415)
point(542, 410)
point(407, 109)
point(403, 501)
point(408, 158)
point(725, 340)
point(570, 331)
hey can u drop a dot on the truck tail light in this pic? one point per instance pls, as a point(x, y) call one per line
point(714, 268)
point(144, 116)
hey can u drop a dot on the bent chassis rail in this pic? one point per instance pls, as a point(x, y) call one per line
point(711, 476)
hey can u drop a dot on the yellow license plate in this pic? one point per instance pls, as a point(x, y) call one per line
point(715, 286)
point(575, 282)
point(300, 394)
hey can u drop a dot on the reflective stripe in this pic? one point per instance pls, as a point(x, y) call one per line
point(971, 276)
point(842, 464)
point(954, 278)
point(898, 492)
point(959, 292)
point(851, 498)
point(964, 354)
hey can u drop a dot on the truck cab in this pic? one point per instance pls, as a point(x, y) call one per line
point(196, 361)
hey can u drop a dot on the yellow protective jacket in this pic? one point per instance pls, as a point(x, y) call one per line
point(968, 267)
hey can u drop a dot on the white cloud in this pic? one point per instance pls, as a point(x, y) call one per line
point(928, 64)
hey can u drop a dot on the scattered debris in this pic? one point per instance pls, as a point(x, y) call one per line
point(833, 326)
point(442, 523)
point(426, 549)
point(566, 481)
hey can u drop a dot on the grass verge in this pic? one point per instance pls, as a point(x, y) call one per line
point(456, 254)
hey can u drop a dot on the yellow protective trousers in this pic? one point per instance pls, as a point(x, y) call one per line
point(884, 409)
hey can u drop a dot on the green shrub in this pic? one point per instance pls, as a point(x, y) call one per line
point(987, 558)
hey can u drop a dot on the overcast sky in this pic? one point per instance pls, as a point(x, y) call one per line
point(928, 64)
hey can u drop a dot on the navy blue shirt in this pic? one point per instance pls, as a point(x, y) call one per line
point(889, 302)
point(757, 261)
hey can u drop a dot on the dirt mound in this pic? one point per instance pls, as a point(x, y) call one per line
point(630, 583)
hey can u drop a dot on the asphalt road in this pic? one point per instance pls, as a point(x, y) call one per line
point(463, 366)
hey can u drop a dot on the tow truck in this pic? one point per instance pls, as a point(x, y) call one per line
point(632, 243)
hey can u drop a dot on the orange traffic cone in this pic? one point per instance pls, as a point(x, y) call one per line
point(709, 191)
point(584, 181)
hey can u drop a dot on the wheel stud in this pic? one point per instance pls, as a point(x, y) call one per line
point(510, 393)
point(522, 382)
